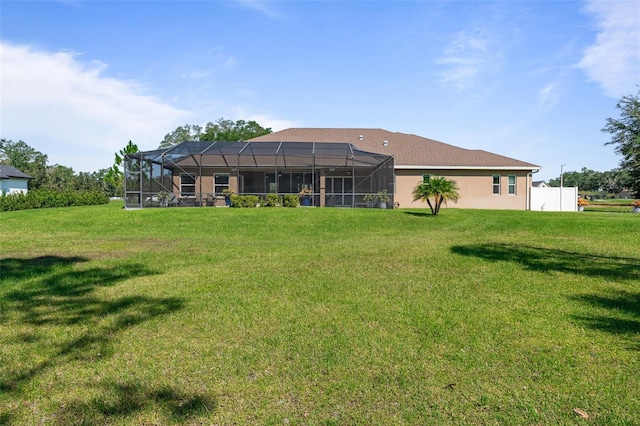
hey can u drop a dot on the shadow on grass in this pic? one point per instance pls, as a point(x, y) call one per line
point(124, 400)
point(54, 316)
point(541, 259)
point(419, 214)
point(623, 317)
point(18, 269)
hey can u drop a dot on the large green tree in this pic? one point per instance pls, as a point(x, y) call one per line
point(227, 130)
point(616, 180)
point(436, 191)
point(625, 135)
point(60, 178)
point(220, 130)
point(26, 159)
point(181, 134)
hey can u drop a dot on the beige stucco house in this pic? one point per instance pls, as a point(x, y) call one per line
point(485, 180)
point(338, 167)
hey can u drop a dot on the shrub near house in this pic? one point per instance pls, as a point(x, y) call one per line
point(45, 199)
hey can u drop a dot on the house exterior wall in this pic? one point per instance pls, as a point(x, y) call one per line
point(14, 186)
point(204, 182)
point(475, 188)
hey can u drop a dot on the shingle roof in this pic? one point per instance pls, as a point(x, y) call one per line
point(8, 172)
point(409, 151)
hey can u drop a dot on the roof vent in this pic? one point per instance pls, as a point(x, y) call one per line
point(385, 143)
point(360, 137)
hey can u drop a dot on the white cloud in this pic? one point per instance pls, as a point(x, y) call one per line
point(613, 60)
point(275, 124)
point(466, 57)
point(548, 96)
point(68, 109)
point(265, 120)
point(262, 6)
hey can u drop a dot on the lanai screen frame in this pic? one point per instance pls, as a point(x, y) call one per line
point(151, 173)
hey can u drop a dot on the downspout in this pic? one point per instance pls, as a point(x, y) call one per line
point(529, 185)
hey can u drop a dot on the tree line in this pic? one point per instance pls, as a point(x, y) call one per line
point(220, 130)
point(110, 180)
point(607, 183)
point(50, 177)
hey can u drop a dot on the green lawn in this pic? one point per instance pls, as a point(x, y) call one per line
point(318, 316)
point(614, 206)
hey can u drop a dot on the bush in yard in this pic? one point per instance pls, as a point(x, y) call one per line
point(44, 199)
point(291, 200)
point(251, 200)
point(12, 202)
point(244, 200)
point(237, 200)
point(272, 200)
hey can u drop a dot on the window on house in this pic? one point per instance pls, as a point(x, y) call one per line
point(496, 184)
point(512, 185)
point(426, 178)
point(220, 182)
point(187, 184)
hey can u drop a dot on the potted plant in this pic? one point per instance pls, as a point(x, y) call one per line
point(581, 203)
point(636, 206)
point(163, 197)
point(384, 198)
point(305, 196)
point(227, 193)
point(370, 199)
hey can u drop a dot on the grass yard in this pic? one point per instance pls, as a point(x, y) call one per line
point(613, 206)
point(318, 316)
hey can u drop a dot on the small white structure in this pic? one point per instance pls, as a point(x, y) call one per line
point(13, 181)
point(551, 199)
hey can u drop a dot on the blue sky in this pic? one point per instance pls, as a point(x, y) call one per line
point(534, 80)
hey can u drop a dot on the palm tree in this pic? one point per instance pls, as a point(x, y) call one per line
point(435, 191)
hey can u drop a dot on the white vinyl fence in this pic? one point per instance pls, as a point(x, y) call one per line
point(555, 199)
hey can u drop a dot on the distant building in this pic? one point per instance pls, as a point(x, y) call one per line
point(540, 184)
point(13, 181)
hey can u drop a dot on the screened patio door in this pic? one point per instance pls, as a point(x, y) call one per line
point(339, 191)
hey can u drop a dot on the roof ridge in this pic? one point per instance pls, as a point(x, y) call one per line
point(407, 148)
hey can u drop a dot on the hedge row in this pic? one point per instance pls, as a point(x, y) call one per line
point(40, 199)
point(270, 200)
